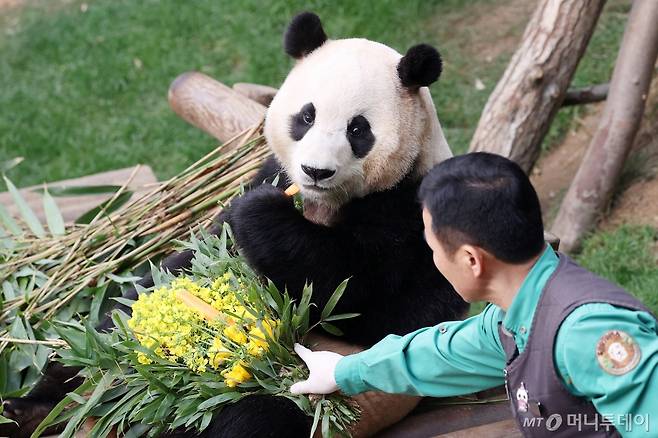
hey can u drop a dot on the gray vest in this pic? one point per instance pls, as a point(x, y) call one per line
point(541, 404)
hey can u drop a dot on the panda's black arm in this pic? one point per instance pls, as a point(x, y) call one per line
point(281, 244)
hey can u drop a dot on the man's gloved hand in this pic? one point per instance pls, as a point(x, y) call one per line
point(321, 365)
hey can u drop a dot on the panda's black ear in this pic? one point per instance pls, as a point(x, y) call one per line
point(304, 34)
point(420, 67)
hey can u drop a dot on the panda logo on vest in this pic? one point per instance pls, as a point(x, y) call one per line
point(522, 398)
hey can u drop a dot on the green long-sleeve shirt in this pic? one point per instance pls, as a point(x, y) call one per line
point(462, 357)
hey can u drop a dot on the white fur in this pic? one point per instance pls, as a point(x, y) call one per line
point(344, 79)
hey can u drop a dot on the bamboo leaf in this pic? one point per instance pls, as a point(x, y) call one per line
point(9, 222)
point(92, 401)
point(125, 301)
point(332, 329)
point(59, 407)
point(10, 164)
point(4, 420)
point(316, 418)
point(53, 214)
point(99, 295)
point(26, 212)
point(77, 398)
point(79, 190)
point(206, 420)
point(325, 425)
point(342, 316)
point(137, 430)
point(333, 300)
point(8, 290)
point(6, 242)
point(218, 399)
point(123, 279)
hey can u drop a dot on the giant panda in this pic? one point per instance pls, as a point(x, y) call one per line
point(354, 127)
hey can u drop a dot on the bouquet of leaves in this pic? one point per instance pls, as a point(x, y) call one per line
point(193, 345)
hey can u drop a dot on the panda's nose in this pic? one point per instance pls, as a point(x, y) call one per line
point(318, 174)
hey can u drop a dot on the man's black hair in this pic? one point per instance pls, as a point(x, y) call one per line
point(484, 200)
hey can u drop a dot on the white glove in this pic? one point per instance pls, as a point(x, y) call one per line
point(321, 365)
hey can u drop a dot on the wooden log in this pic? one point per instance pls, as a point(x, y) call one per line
point(435, 417)
point(212, 106)
point(520, 110)
point(262, 94)
point(601, 167)
point(591, 94)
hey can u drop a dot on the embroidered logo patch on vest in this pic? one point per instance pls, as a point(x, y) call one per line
point(617, 352)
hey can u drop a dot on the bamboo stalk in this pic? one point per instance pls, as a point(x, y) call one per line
point(187, 201)
point(292, 190)
point(196, 303)
point(50, 342)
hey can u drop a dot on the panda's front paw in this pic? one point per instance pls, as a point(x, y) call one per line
point(262, 200)
point(258, 210)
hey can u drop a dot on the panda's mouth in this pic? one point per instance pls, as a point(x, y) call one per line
point(316, 188)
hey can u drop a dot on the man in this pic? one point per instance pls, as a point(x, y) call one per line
point(579, 355)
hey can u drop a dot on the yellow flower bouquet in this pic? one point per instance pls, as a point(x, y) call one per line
point(192, 345)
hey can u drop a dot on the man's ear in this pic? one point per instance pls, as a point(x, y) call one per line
point(420, 67)
point(304, 34)
point(473, 258)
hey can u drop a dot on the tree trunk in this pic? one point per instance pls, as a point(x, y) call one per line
point(523, 104)
point(603, 162)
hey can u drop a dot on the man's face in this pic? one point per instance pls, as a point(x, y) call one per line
point(456, 268)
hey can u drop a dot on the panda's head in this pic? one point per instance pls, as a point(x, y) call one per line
point(353, 116)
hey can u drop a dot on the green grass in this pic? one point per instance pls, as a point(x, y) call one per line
point(86, 92)
point(627, 256)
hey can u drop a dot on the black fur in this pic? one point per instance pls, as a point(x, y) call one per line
point(360, 136)
point(260, 416)
point(304, 34)
point(299, 123)
point(420, 67)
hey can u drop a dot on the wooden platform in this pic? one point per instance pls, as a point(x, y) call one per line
point(458, 418)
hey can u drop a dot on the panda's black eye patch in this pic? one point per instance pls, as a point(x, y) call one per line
point(360, 136)
point(301, 122)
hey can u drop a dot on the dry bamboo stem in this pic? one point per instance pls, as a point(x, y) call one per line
point(218, 175)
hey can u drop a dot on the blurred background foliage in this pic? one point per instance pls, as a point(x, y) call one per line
point(85, 83)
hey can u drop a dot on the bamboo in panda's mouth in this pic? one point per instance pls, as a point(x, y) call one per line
point(292, 190)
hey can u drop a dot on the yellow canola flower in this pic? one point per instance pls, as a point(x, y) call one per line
point(236, 335)
point(175, 330)
point(218, 353)
point(236, 374)
point(143, 359)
